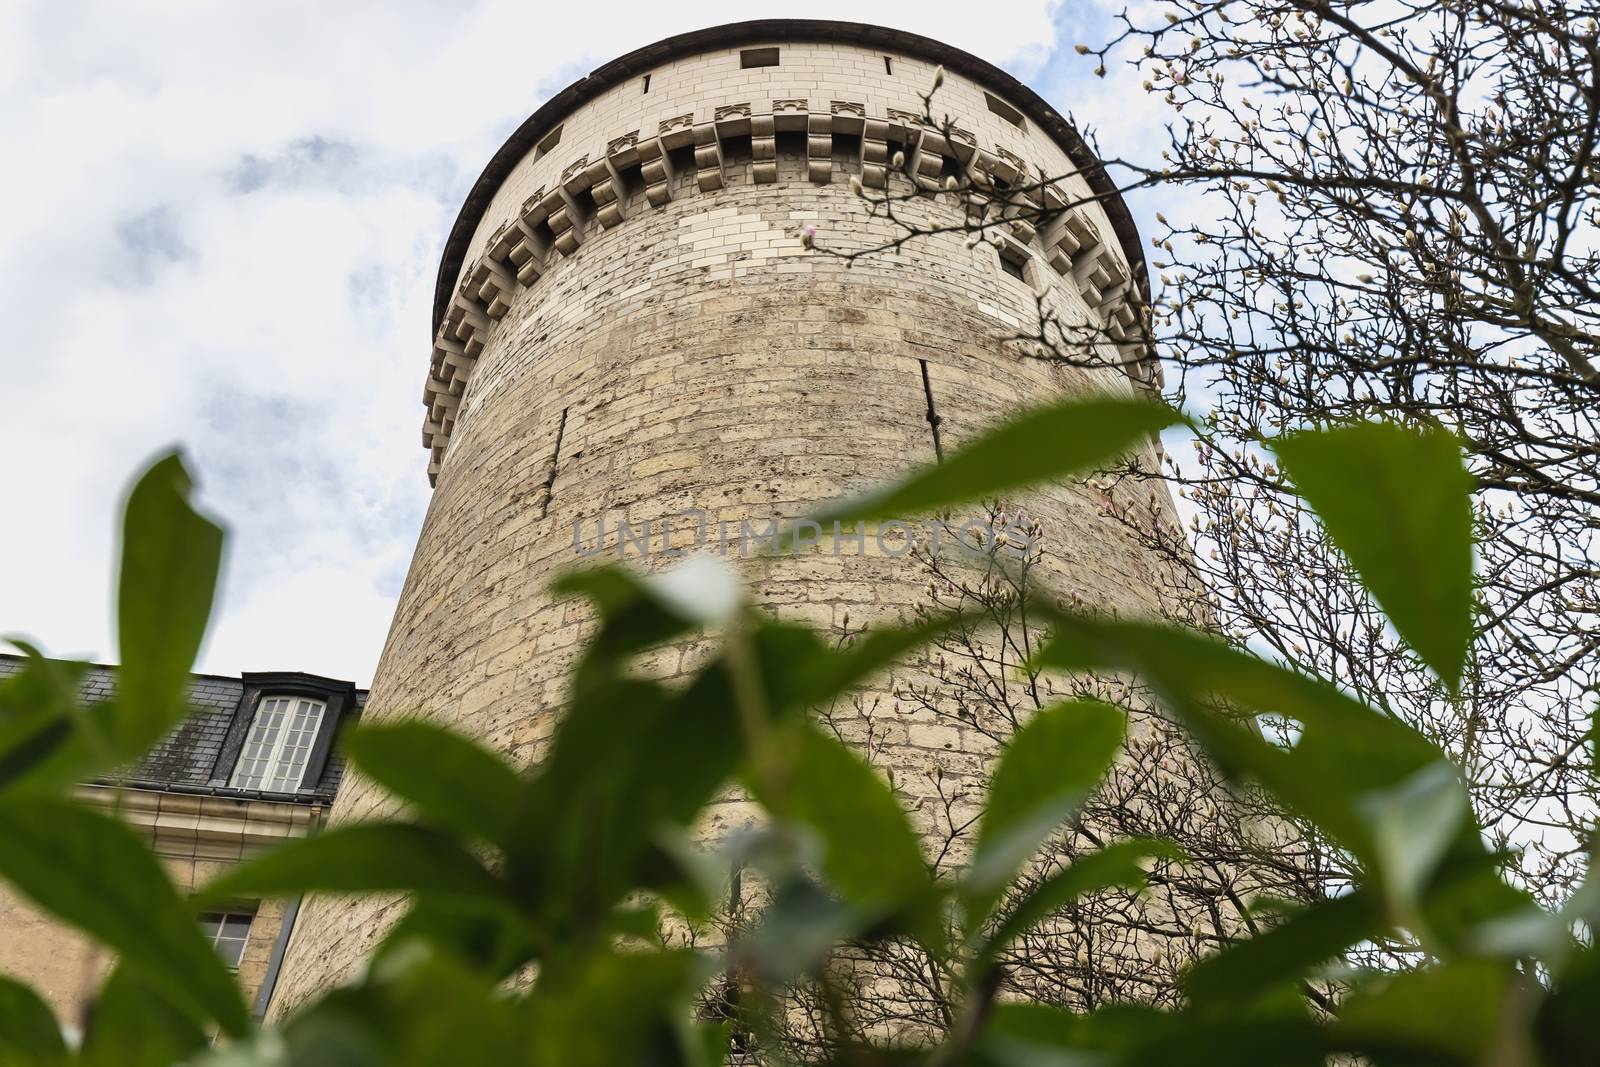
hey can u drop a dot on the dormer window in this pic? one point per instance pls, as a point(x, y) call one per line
point(279, 744)
point(282, 734)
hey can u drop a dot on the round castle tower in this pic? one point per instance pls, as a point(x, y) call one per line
point(629, 324)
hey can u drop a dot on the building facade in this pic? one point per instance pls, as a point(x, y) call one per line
point(632, 324)
point(254, 765)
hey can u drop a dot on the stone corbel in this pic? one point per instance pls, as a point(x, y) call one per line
point(708, 157)
point(763, 149)
point(493, 285)
point(468, 320)
point(622, 155)
point(605, 185)
point(789, 116)
point(875, 153)
point(927, 157)
point(442, 407)
point(1095, 275)
point(848, 117)
point(995, 168)
point(562, 214)
point(676, 132)
point(527, 254)
point(1119, 318)
point(962, 142)
point(1024, 209)
point(903, 125)
point(731, 120)
point(656, 167)
point(1076, 237)
point(454, 363)
point(819, 148)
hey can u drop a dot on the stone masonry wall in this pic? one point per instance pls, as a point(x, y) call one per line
point(197, 838)
point(696, 355)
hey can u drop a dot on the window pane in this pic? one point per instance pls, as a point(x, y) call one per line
point(278, 744)
point(229, 932)
point(231, 950)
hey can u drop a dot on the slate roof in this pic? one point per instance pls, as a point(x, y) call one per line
point(187, 760)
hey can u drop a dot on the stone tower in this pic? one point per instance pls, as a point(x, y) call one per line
point(628, 324)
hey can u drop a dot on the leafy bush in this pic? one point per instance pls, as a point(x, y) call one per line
point(540, 897)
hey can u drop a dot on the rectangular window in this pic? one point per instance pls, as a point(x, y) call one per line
point(888, 65)
point(758, 57)
point(546, 143)
point(229, 931)
point(1004, 110)
point(646, 84)
point(279, 744)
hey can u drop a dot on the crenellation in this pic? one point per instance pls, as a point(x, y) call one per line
point(555, 218)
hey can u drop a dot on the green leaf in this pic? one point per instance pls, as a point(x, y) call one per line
point(448, 778)
point(94, 873)
point(1034, 1035)
point(1450, 1010)
point(415, 1007)
point(870, 854)
point(1045, 772)
point(380, 857)
point(133, 1025)
point(1565, 1023)
point(821, 673)
point(167, 577)
point(801, 928)
point(1285, 953)
point(170, 557)
point(714, 1040)
point(1344, 751)
point(634, 616)
point(29, 1033)
point(630, 760)
point(617, 1008)
point(1046, 443)
point(1413, 826)
point(1397, 501)
point(1119, 864)
point(37, 707)
point(489, 935)
point(632, 763)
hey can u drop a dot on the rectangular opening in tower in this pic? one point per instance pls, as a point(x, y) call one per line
point(758, 57)
point(546, 143)
point(1004, 110)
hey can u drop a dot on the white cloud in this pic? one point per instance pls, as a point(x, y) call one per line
point(222, 226)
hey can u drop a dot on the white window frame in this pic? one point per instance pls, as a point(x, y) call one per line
point(289, 704)
point(217, 937)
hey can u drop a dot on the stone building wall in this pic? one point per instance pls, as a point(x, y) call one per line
point(684, 349)
point(177, 795)
point(197, 838)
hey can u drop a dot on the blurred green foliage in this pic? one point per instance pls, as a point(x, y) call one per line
point(539, 896)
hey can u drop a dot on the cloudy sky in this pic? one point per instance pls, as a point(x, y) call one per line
point(221, 229)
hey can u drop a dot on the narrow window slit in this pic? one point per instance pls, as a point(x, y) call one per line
point(646, 83)
point(555, 459)
point(888, 65)
point(933, 415)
